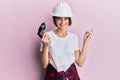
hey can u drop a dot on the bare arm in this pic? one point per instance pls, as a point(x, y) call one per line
point(81, 55)
point(44, 57)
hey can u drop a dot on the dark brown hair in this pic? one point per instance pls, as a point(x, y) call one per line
point(55, 17)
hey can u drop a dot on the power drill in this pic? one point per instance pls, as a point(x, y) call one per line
point(41, 29)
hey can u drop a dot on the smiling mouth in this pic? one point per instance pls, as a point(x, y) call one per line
point(63, 25)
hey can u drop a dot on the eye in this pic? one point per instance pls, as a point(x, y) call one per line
point(66, 18)
point(59, 18)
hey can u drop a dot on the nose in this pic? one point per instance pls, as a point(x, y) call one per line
point(63, 20)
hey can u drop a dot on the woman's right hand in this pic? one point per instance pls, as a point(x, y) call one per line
point(45, 40)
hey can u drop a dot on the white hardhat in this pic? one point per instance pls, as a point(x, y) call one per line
point(62, 9)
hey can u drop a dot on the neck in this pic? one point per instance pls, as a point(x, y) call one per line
point(60, 33)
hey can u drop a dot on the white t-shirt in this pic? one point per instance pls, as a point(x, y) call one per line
point(62, 50)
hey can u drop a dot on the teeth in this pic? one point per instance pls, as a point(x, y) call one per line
point(62, 25)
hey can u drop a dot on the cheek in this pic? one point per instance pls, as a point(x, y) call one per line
point(57, 23)
point(67, 22)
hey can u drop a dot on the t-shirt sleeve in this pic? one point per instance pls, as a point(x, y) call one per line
point(77, 44)
point(41, 45)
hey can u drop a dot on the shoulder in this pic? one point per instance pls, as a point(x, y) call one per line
point(73, 35)
point(50, 34)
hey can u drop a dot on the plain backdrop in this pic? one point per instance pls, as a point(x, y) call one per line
point(19, 43)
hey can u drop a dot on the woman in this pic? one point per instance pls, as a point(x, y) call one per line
point(60, 48)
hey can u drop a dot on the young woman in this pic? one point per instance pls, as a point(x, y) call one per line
point(60, 48)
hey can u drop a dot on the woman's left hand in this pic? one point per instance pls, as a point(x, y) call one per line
point(87, 36)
